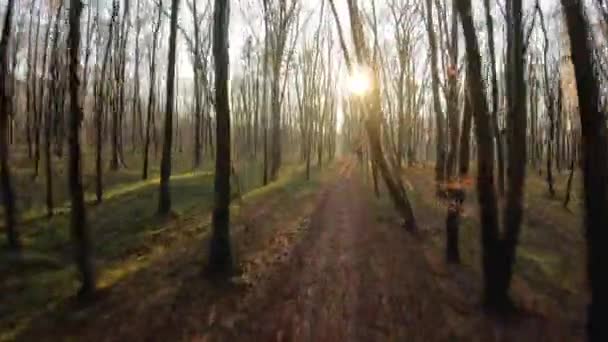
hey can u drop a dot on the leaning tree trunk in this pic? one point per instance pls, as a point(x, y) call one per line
point(8, 195)
point(485, 157)
point(220, 256)
point(151, 99)
point(79, 229)
point(164, 201)
point(439, 121)
point(595, 166)
point(373, 122)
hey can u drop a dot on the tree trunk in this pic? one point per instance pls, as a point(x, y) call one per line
point(151, 98)
point(53, 108)
point(569, 185)
point(6, 184)
point(595, 167)
point(485, 158)
point(439, 120)
point(78, 224)
point(465, 136)
point(164, 202)
point(495, 99)
point(516, 135)
point(220, 256)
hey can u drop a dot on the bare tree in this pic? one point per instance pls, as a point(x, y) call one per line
point(220, 256)
point(439, 119)
point(151, 91)
point(497, 251)
point(595, 164)
point(8, 194)
point(164, 202)
point(78, 224)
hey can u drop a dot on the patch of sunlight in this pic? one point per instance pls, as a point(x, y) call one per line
point(124, 268)
point(117, 191)
point(285, 177)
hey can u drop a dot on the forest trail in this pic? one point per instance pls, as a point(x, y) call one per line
point(351, 278)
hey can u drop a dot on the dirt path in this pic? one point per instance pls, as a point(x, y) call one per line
point(351, 278)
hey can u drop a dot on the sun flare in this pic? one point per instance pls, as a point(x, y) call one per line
point(359, 81)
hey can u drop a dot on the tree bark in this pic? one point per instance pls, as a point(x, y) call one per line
point(439, 120)
point(6, 184)
point(595, 166)
point(485, 158)
point(151, 97)
point(517, 152)
point(495, 99)
point(164, 202)
point(78, 223)
point(220, 256)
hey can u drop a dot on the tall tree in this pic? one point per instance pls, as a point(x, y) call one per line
point(516, 153)
point(595, 164)
point(8, 194)
point(279, 22)
point(373, 107)
point(220, 256)
point(151, 92)
point(79, 229)
point(164, 201)
point(55, 102)
point(439, 119)
point(497, 251)
point(495, 99)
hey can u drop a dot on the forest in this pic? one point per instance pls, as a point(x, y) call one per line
point(303, 170)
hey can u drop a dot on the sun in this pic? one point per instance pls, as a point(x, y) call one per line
point(359, 81)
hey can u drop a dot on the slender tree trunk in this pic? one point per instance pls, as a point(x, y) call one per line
point(52, 110)
point(151, 99)
point(485, 158)
point(8, 194)
point(439, 120)
point(28, 88)
point(164, 202)
point(569, 185)
point(79, 229)
point(495, 99)
point(220, 256)
point(465, 136)
point(455, 193)
point(100, 110)
point(517, 152)
point(39, 96)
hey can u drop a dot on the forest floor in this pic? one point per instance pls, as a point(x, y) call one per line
point(323, 260)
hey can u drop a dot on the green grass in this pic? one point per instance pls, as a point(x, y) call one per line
point(125, 231)
point(550, 254)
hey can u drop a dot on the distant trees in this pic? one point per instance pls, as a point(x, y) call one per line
point(220, 256)
point(6, 185)
point(279, 17)
point(78, 223)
